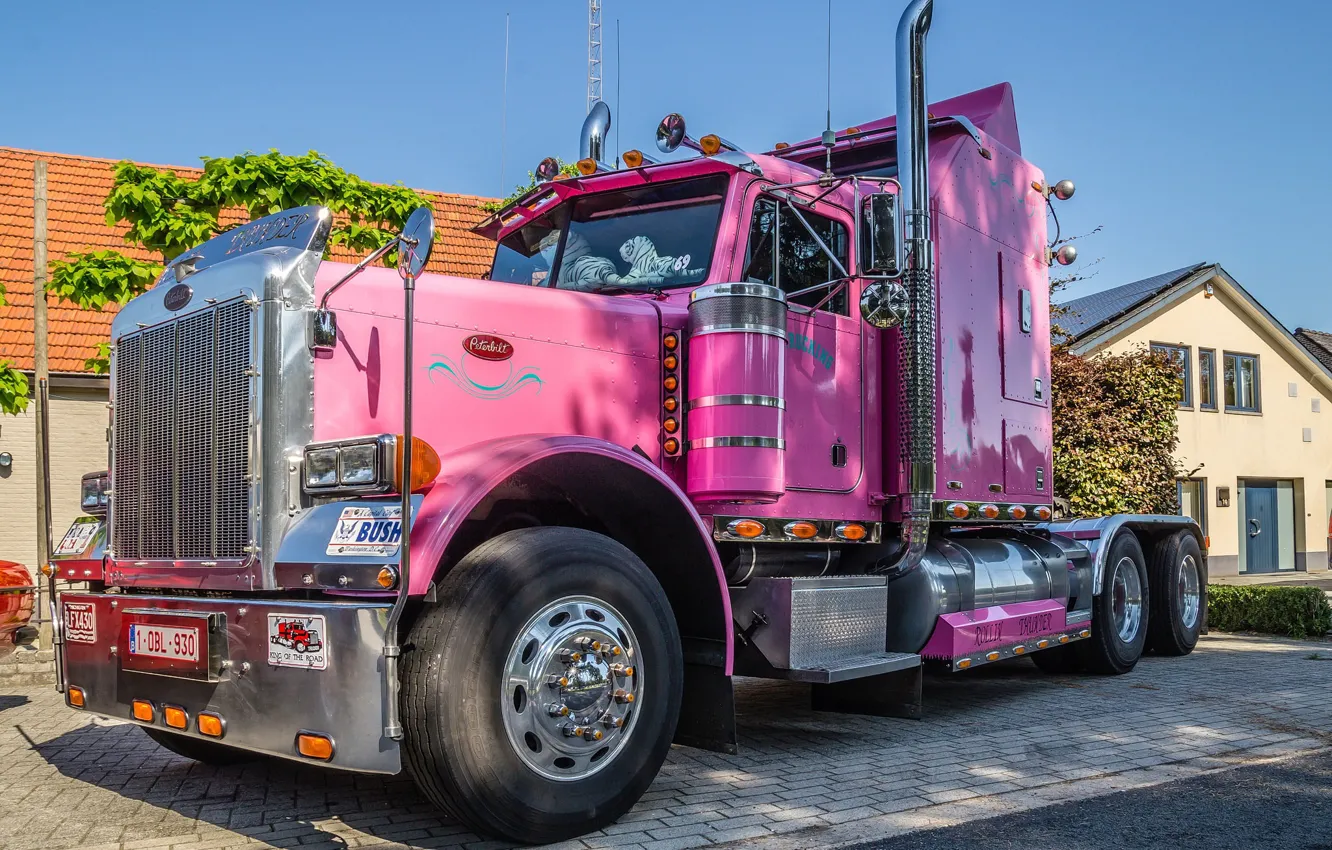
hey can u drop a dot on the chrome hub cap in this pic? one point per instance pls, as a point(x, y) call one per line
point(1126, 599)
point(572, 683)
point(1190, 592)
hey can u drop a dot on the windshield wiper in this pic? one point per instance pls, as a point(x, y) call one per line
point(624, 290)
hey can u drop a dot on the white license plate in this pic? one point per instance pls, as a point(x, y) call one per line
point(164, 642)
point(360, 530)
point(76, 540)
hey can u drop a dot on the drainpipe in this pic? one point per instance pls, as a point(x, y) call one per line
point(918, 360)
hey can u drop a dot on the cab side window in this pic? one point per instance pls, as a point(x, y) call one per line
point(782, 253)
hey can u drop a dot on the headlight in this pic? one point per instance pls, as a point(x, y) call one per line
point(360, 465)
point(321, 467)
point(366, 465)
point(93, 493)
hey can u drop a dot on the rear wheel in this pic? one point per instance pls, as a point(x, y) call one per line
point(205, 752)
point(541, 693)
point(1177, 594)
point(1119, 613)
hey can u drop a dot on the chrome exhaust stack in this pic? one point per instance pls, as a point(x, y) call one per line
point(917, 377)
point(596, 130)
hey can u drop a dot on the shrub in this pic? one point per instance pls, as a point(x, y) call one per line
point(1296, 611)
point(1115, 431)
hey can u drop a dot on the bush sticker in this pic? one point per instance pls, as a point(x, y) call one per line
point(296, 640)
point(367, 530)
point(80, 622)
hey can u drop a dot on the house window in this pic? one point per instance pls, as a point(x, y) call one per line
point(1241, 381)
point(1192, 494)
point(783, 253)
point(1206, 379)
point(1179, 355)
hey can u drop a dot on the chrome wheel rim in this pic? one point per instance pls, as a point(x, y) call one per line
point(1190, 592)
point(572, 682)
point(1126, 599)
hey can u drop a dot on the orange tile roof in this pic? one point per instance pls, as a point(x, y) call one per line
point(76, 186)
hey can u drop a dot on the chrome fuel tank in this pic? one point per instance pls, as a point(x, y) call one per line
point(965, 572)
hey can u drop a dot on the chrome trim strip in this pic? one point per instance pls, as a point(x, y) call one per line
point(760, 290)
point(737, 399)
point(750, 327)
point(775, 530)
point(940, 511)
point(738, 442)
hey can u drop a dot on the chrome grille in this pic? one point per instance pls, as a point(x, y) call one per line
point(181, 454)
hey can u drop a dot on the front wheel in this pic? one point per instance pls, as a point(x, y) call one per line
point(541, 693)
point(1119, 613)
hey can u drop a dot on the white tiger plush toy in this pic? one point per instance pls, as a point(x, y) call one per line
point(646, 266)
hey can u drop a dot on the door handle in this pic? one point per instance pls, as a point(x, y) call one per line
point(1257, 527)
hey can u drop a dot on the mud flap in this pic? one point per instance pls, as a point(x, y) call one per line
point(707, 706)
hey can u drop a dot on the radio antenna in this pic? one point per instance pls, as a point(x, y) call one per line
point(829, 139)
point(504, 107)
point(617, 92)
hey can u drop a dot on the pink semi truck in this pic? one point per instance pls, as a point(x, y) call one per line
point(783, 415)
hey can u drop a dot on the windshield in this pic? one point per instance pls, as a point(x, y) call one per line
point(649, 237)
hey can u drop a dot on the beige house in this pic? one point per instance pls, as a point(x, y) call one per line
point(1255, 413)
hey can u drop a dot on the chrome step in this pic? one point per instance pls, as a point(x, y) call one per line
point(854, 668)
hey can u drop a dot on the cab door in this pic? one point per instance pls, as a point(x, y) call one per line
point(823, 425)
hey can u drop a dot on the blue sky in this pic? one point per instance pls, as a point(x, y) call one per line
point(1196, 130)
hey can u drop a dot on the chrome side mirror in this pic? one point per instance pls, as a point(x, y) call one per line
point(418, 237)
point(884, 304)
point(881, 248)
point(670, 132)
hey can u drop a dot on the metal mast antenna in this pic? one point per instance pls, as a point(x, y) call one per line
point(593, 52)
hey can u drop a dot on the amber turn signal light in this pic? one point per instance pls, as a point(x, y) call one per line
point(671, 425)
point(387, 578)
point(670, 383)
point(587, 167)
point(314, 746)
point(425, 465)
point(75, 697)
point(633, 158)
point(670, 342)
point(211, 724)
point(1043, 513)
point(711, 143)
point(989, 511)
point(746, 528)
point(671, 445)
point(143, 710)
point(175, 717)
point(851, 531)
point(1017, 512)
point(959, 510)
point(670, 361)
point(670, 403)
point(801, 530)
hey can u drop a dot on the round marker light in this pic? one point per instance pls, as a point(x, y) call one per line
point(959, 510)
point(746, 528)
point(851, 531)
point(989, 511)
point(710, 144)
point(671, 383)
point(387, 577)
point(671, 425)
point(1043, 513)
point(801, 530)
point(587, 167)
point(1017, 512)
point(670, 342)
point(670, 403)
point(633, 158)
point(671, 445)
point(670, 361)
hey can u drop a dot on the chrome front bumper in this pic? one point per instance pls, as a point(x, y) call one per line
point(264, 702)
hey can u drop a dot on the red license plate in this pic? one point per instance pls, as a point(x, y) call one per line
point(168, 643)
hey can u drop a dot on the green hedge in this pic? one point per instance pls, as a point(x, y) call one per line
point(1296, 611)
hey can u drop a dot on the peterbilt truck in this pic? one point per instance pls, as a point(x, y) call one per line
point(781, 415)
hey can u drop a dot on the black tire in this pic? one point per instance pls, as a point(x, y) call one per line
point(1058, 660)
point(456, 745)
point(204, 752)
point(1106, 652)
point(1168, 631)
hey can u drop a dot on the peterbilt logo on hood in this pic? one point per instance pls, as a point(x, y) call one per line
point(488, 347)
point(177, 297)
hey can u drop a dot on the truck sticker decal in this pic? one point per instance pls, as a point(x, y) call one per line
point(800, 342)
point(297, 640)
point(78, 538)
point(457, 372)
point(80, 622)
point(374, 530)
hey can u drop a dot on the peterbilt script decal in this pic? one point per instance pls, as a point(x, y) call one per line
point(488, 347)
point(282, 227)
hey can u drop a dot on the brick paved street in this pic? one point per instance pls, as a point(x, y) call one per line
point(993, 741)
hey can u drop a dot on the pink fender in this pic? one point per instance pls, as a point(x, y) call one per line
point(468, 475)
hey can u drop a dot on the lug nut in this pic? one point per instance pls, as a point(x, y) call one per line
point(612, 721)
point(590, 734)
point(557, 681)
point(570, 730)
point(621, 670)
point(622, 697)
point(613, 651)
point(557, 710)
point(568, 656)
